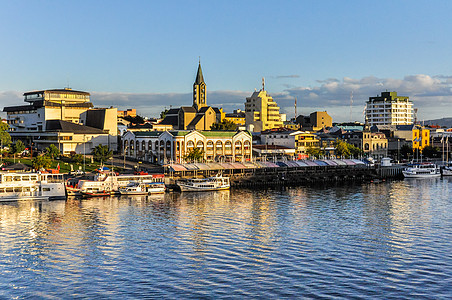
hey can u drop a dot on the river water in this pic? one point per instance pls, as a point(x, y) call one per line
point(386, 240)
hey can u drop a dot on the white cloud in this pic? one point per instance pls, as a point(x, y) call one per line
point(431, 94)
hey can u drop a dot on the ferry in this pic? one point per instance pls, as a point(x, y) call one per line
point(31, 186)
point(215, 183)
point(105, 184)
point(421, 170)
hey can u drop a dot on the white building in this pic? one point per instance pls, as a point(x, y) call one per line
point(173, 146)
point(389, 109)
point(63, 117)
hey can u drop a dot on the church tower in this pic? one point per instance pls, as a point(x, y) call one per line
point(199, 90)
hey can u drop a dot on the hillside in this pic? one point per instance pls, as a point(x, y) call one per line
point(447, 122)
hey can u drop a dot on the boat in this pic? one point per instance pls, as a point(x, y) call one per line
point(215, 183)
point(31, 186)
point(447, 169)
point(105, 184)
point(421, 170)
point(143, 188)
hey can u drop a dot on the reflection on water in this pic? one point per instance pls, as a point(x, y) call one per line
point(388, 240)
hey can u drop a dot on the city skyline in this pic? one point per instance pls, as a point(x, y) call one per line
point(144, 55)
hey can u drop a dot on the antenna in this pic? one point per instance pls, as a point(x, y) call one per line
point(295, 108)
point(351, 105)
point(415, 115)
point(263, 83)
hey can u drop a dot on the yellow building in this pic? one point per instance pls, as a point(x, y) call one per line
point(421, 137)
point(261, 112)
point(237, 117)
point(303, 141)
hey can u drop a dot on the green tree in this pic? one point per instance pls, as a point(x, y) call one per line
point(5, 138)
point(41, 162)
point(134, 120)
point(163, 113)
point(102, 153)
point(195, 154)
point(342, 148)
point(52, 151)
point(225, 125)
point(314, 151)
point(18, 147)
point(431, 152)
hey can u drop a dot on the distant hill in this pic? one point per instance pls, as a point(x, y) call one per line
point(447, 122)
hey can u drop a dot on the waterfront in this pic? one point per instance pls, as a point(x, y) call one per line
point(386, 240)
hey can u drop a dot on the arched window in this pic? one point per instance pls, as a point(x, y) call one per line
point(143, 146)
point(138, 146)
point(190, 145)
point(219, 148)
point(366, 146)
point(200, 145)
point(209, 147)
point(238, 147)
point(126, 147)
point(149, 146)
point(228, 148)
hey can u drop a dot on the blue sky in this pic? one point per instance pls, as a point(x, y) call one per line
point(144, 54)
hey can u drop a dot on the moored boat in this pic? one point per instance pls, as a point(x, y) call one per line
point(421, 170)
point(215, 183)
point(31, 186)
point(447, 169)
point(105, 184)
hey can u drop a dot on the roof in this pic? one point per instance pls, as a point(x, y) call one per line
point(188, 109)
point(68, 91)
point(213, 133)
point(179, 132)
point(203, 109)
point(170, 120)
point(172, 111)
point(20, 107)
point(195, 120)
point(65, 126)
point(199, 77)
point(147, 133)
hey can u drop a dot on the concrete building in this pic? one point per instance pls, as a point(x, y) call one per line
point(372, 143)
point(237, 117)
point(173, 146)
point(130, 112)
point(261, 112)
point(315, 121)
point(300, 141)
point(63, 117)
point(389, 109)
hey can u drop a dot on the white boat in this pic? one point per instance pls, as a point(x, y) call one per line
point(105, 184)
point(215, 183)
point(421, 170)
point(31, 186)
point(143, 188)
point(447, 170)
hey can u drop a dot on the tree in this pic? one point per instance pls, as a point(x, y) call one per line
point(18, 147)
point(406, 151)
point(195, 154)
point(41, 162)
point(225, 125)
point(134, 120)
point(431, 152)
point(342, 148)
point(5, 138)
point(102, 153)
point(314, 151)
point(52, 151)
point(163, 113)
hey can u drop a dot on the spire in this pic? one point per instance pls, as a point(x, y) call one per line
point(199, 77)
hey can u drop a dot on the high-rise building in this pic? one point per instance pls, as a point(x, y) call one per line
point(389, 109)
point(261, 112)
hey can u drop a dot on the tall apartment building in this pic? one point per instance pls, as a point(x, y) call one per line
point(389, 109)
point(261, 112)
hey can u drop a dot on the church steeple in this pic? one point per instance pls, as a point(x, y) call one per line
point(199, 90)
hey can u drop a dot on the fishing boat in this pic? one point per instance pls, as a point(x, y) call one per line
point(215, 183)
point(421, 170)
point(31, 186)
point(109, 183)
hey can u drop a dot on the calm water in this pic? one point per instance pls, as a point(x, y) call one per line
point(389, 240)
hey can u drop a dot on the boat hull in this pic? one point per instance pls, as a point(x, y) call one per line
point(184, 188)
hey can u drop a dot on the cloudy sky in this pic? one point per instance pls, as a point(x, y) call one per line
point(330, 55)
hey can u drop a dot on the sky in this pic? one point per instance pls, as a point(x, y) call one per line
point(329, 55)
